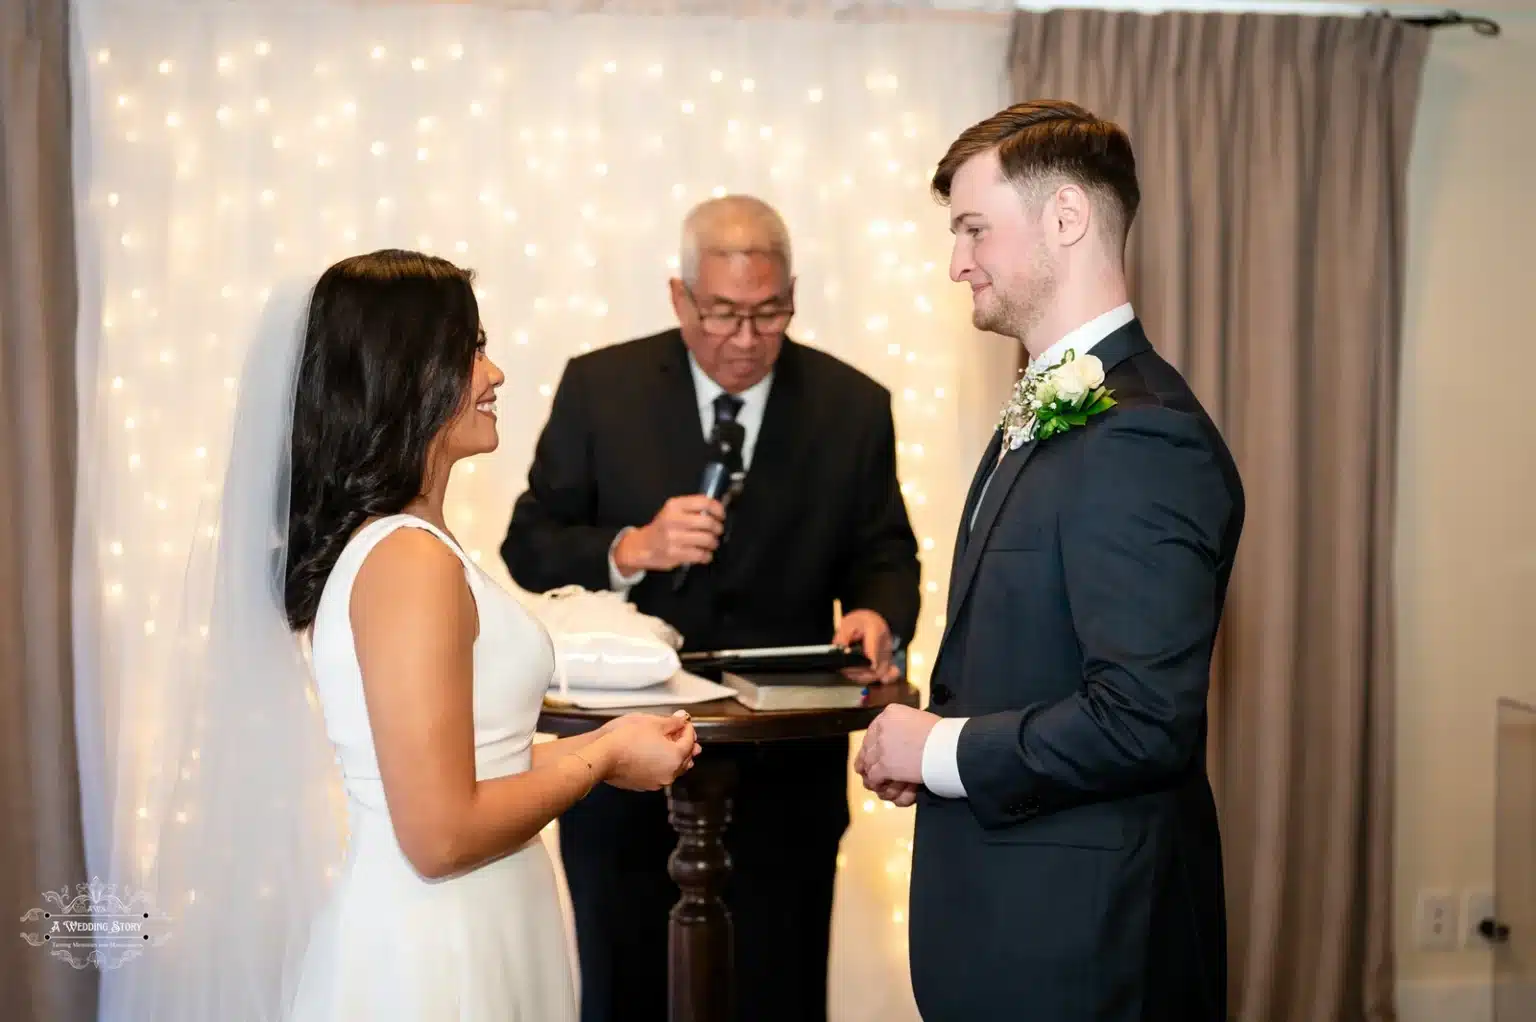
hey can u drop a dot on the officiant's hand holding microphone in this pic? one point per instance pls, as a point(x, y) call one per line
point(685, 531)
point(690, 528)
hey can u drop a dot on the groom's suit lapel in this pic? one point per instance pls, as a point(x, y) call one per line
point(964, 572)
point(1125, 342)
point(968, 510)
point(983, 468)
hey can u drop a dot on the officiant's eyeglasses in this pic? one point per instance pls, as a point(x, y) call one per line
point(725, 324)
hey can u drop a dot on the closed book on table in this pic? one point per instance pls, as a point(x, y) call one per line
point(820, 690)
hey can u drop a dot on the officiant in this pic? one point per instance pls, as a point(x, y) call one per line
point(613, 502)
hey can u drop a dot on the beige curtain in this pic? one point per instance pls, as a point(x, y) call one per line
point(1267, 263)
point(40, 832)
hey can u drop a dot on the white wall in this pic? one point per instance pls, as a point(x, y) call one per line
point(1466, 565)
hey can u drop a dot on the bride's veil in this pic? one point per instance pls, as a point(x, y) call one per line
point(246, 816)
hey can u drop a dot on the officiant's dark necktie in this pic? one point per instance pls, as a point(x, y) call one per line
point(727, 407)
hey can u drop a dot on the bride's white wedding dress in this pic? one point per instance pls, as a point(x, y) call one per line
point(485, 946)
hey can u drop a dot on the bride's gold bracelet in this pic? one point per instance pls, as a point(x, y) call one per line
point(591, 772)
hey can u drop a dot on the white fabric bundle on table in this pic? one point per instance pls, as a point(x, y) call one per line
point(608, 654)
point(602, 642)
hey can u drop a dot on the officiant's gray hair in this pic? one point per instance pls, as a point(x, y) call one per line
point(728, 225)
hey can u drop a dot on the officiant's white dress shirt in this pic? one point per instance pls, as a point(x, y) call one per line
point(941, 767)
point(754, 401)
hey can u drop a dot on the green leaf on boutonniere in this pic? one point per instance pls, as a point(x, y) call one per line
point(1057, 416)
point(1099, 401)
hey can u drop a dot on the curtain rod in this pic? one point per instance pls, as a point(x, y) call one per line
point(1423, 17)
point(1450, 19)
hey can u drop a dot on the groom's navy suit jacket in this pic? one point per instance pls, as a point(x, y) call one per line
point(1080, 878)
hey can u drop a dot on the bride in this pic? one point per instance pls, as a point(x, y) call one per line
point(428, 679)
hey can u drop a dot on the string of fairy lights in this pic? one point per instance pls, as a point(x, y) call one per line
point(555, 158)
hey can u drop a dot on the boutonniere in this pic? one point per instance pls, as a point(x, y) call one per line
point(1055, 399)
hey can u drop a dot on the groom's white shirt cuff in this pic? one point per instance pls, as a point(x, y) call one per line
point(941, 758)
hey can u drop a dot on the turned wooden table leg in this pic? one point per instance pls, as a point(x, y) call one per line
point(700, 971)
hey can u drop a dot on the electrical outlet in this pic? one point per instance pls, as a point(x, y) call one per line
point(1476, 906)
point(1436, 927)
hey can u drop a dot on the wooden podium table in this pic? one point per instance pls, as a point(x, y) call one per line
point(700, 968)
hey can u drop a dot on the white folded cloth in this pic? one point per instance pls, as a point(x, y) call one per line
point(682, 689)
point(603, 644)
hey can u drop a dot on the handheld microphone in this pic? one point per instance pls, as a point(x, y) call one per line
point(723, 473)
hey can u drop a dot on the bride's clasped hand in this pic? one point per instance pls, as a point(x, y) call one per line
point(642, 751)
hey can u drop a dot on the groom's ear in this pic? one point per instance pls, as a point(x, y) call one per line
point(1071, 215)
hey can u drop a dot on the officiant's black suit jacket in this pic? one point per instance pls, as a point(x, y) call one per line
point(821, 517)
point(1080, 879)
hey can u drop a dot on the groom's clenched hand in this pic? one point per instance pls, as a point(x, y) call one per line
point(895, 792)
point(892, 753)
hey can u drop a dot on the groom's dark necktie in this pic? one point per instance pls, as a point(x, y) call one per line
point(981, 492)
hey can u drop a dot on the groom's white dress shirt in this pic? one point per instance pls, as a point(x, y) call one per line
point(941, 768)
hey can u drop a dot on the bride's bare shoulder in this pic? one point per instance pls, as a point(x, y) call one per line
point(408, 571)
point(414, 625)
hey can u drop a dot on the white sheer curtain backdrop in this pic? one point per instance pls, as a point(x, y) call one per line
point(223, 145)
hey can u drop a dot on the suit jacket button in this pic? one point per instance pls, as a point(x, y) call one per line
point(941, 695)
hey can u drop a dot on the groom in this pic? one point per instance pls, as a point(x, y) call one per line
point(1066, 864)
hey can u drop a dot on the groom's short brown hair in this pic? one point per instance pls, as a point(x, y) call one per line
point(1050, 138)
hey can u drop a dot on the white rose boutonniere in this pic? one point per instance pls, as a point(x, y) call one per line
point(1054, 400)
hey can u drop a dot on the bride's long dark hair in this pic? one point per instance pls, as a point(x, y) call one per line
point(389, 347)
